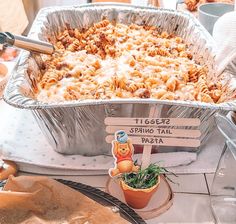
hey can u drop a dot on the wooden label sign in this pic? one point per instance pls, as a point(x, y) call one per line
point(156, 131)
point(152, 121)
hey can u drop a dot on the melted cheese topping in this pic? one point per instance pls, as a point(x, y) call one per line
point(120, 61)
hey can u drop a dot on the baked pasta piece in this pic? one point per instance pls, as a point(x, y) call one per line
point(113, 60)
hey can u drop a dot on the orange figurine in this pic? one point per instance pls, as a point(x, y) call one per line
point(122, 150)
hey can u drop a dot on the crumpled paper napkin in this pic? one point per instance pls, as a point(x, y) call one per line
point(36, 200)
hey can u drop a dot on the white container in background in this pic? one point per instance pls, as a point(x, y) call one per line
point(209, 13)
point(224, 33)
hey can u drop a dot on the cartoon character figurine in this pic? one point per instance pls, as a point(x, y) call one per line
point(122, 150)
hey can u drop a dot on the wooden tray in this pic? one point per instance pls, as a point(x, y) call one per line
point(161, 201)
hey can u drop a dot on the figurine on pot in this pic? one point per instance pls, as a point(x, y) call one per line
point(122, 150)
point(138, 185)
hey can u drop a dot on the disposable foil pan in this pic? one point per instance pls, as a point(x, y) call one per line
point(77, 127)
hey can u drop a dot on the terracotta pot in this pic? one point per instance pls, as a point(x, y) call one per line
point(138, 198)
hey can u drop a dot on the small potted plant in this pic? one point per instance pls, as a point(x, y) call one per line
point(137, 184)
point(138, 187)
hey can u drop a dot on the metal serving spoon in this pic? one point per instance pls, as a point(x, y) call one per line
point(8, 39)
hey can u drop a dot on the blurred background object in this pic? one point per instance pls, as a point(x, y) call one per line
point(13, 17)
point(192, 5)
point(155, 3)
point(118, 1)
point(8, 54)
point(168, 4)
point(209, 13)
point(32, 7)
point(224, 33)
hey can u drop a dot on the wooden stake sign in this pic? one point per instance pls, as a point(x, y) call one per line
point(155, 131)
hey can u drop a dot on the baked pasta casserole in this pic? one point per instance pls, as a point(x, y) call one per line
point(112, 60)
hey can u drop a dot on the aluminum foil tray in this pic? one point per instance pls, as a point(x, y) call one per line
point(77, 127)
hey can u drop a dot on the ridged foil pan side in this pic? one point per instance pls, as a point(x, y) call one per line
point(77, 127)
point(81, 130)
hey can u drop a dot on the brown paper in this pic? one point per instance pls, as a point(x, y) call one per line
point(37, 200)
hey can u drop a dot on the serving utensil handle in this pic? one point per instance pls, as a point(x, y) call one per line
point(26, 43)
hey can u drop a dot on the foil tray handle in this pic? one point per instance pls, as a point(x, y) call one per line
point(26, 43)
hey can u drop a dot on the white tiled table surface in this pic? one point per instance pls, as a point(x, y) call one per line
point(191, 197)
